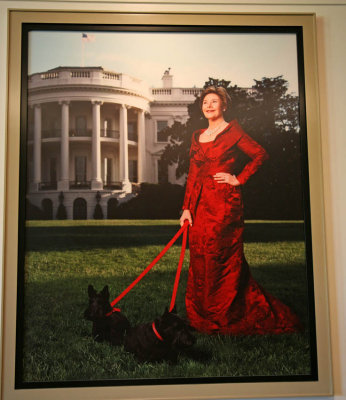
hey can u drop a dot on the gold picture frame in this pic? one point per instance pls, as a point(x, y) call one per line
point(320, 387)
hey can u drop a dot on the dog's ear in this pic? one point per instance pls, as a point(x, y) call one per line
point(91, 291)
point(105, 292)
point(174, 310)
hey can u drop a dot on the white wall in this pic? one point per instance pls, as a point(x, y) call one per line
point(331, 38)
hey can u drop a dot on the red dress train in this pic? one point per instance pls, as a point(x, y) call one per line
point(221, 295)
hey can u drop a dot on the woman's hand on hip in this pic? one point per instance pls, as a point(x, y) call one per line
point(224, 177)
point(185, 215)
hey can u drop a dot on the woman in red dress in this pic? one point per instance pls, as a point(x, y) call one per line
point(222, 296)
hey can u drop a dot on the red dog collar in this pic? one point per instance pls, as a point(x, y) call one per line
point(156, 332)
point(113, 311)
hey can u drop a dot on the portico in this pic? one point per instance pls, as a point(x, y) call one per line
point(96, 121)
point(93, 136)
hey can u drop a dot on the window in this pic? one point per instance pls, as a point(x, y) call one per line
point(107, 128)
point(162, 135)
point(132, 131)
point(47, 208)
point(162, 172)
point(53, 128)
point(133, 167)
point(81, 126)
point(80, 209)
point(52, 170)
point(80, 169)
point(108, 166)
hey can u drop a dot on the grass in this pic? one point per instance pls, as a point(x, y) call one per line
point(63, 257)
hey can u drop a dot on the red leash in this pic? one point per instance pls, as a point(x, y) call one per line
point(157, 258)
point(180, 264)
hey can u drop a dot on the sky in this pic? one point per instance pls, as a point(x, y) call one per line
point(192, 57)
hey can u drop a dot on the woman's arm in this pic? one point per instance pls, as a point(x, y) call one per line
point(190, 183)
point(188, 191)
point(255, 151)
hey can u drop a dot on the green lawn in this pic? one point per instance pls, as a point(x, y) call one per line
point(63, 257)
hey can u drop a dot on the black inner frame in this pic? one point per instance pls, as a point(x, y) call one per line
point(298, 31)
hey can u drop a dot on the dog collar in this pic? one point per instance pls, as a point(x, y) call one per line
point(156, 332)
point(112, 311)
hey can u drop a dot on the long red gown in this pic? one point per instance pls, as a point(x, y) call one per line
point(221, 295)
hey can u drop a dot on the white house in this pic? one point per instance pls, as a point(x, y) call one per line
point(93, 135)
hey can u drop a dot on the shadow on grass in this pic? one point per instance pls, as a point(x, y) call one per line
point(88, 237)
point(149, 298)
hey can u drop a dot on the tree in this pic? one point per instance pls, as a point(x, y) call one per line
point(275, 118)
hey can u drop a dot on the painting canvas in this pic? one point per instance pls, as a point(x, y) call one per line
point(107, 116)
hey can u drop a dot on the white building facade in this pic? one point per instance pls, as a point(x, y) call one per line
point(94, 135)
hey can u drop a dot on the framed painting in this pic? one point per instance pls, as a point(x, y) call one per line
point(101, 113)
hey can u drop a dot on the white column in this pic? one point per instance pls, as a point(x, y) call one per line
point(37, 147)
point(124, 152)
point(96, 181)
point(141, 146)
point(63, 183)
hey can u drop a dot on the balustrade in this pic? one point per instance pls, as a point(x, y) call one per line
point(110, 133)
point(112, 185)
point(80, 184)
point(50, 75)
point(133, 136)
point(51, 133)
point(47, 186)
point(162, 91)
point(111, 75)
point(80, 74)
point(80, 132)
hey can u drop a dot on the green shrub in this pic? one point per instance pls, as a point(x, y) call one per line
point(154, 201)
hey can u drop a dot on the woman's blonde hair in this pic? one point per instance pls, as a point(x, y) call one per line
point(219, 91)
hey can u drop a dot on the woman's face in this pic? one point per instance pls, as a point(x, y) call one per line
point(212, 106)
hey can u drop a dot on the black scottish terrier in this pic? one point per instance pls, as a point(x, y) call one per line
point(108, 324)
point(160, 340)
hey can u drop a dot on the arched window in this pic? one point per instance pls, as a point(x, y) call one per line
point(47, 208)
point(80, 208)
